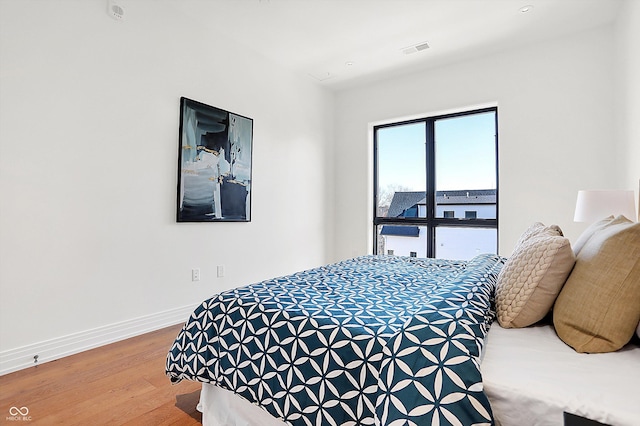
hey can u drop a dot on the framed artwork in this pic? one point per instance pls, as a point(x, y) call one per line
point(214, 164)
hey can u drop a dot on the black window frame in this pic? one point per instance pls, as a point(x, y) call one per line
point(430, 222)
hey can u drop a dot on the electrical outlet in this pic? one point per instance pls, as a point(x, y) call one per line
point(220, 271)
point(195, 274)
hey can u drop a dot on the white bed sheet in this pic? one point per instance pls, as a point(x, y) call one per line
point(220, 407)
point(531, 377)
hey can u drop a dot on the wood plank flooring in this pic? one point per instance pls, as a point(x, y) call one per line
point(119, 384)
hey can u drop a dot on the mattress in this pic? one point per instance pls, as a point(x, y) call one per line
point(531, 378)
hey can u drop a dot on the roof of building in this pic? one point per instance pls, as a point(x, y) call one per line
point(471, 196)
point(403, 200)
point(400, 231)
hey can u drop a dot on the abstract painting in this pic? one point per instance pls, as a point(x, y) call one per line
point(214, 164)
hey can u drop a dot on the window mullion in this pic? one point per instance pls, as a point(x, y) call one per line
point(430, 162)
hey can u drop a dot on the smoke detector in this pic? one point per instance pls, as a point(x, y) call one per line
point(415, 48)
point(115, 10)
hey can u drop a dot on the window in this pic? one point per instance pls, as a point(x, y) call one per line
point(435, 186)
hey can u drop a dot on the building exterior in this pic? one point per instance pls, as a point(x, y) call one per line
point(451, 242)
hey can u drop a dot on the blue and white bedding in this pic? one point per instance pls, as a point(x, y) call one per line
point(371, 340)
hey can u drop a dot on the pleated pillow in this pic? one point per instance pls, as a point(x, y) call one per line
point(532, 277)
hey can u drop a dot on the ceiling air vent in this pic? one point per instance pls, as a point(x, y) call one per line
point(415, 48)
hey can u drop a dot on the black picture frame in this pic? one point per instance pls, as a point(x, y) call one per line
point(214, 164)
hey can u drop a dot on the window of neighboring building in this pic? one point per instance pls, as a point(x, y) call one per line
point(437, 178)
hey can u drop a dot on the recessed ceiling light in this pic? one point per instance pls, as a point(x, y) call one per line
point(321, 75)
point(525, 9)
point(115, 10)
point(349, 63)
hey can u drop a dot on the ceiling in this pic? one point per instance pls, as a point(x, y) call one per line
point(340, 43)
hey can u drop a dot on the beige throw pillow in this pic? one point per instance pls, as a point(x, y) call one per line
point(532, 277)
point(598, 309)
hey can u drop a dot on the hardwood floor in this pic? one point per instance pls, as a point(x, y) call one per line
point(119, 384)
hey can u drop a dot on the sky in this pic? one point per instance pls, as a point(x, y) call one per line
point(465, 154)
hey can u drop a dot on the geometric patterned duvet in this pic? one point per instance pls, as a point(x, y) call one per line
point(374, 340)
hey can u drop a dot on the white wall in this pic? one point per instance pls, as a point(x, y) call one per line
point(628, 91)
point(89, 110)
point(555, 117)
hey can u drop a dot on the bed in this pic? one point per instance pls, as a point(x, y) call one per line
point(404, 341)
point(371, 340)
point(530, 377)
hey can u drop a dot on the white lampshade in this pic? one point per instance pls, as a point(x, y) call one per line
point(592, 206)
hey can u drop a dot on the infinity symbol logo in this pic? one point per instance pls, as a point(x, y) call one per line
point(14, 411)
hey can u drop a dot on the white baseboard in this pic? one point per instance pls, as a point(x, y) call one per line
point(50, 350)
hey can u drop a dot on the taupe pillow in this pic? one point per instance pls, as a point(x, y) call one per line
point(598, 309)
point(532, 277)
